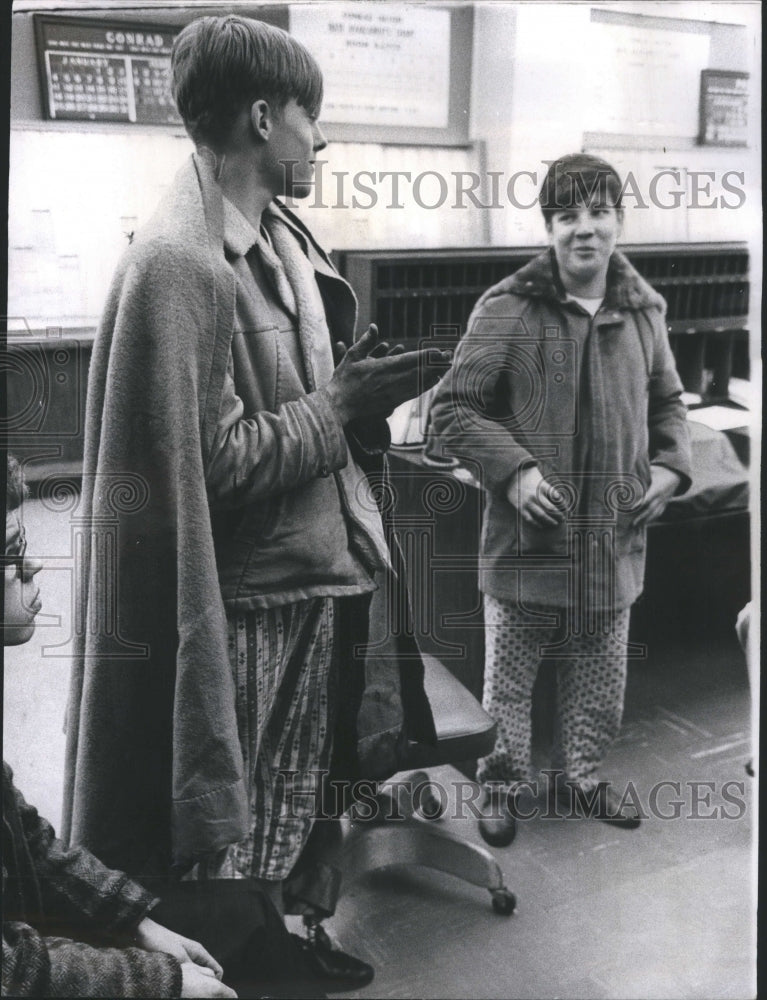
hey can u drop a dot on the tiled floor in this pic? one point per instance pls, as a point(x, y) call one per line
point(664, 911)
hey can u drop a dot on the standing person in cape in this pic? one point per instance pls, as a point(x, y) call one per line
point(229, 415)
point(565, 393)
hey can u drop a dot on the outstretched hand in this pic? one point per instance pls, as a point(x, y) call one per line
point(381, 350)
point(373, 378)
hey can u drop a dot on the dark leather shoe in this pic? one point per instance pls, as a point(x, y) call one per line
point(335, 968)
point(625, 815)
point(602, 803)
point(498, 824)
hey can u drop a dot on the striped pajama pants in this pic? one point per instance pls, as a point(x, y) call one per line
point(284, 667)
point(590, 691)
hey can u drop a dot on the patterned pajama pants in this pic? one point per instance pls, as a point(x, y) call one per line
point(590, 690)
point(284, 666)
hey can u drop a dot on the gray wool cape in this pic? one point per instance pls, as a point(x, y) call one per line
point(154, 771)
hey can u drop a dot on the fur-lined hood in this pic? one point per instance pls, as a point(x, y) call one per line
point(539, 278)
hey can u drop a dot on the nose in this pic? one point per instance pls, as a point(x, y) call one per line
point(320, 142)
point(585, 224)
point(32, 567)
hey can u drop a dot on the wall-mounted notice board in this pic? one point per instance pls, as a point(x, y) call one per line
point(105, 71)
point(644, 74)
point(723, 108)
point(393, 72)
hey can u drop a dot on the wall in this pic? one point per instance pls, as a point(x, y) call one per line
point(74, 197)
point(535, 99)
point(76, 190)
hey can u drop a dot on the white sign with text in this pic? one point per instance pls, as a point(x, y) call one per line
point(383, 64)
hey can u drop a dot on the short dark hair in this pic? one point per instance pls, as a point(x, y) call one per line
point(15, 490)
point(219, 65)
point(575, 179)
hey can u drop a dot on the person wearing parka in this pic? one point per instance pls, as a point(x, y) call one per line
point(565, 402)
point(223, 452)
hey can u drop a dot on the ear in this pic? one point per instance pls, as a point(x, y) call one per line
point(262, 119)
point(619, 213)
point(547, 223)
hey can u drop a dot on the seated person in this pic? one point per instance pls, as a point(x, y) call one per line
point(51, 894)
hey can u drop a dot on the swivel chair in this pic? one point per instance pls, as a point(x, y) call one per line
point(464, 731)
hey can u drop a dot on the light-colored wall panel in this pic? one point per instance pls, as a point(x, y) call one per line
point(529, 104)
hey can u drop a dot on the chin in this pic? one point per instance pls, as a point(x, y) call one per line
point(17, 635)
point(299, 191)
point(585, 270)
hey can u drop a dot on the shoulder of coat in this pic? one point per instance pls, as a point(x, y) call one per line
point(630, 289)
point(164, 257)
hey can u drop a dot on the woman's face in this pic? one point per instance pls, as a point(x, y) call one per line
point(22, 595)
point(584, 238)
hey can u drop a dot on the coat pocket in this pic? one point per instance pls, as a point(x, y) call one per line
point(258, 368)
point(628, 537)
point(543, 541)
point(258, 520)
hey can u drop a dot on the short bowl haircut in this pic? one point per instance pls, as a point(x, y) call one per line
point(574, 180)
point(219, 65)
point(15, 490)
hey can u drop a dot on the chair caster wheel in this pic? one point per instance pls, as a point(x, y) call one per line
point(504, 902)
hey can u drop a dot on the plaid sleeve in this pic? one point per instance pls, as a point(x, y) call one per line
point(36, 966)
point(74, 884)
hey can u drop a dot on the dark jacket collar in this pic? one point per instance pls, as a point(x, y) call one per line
point(626, 288)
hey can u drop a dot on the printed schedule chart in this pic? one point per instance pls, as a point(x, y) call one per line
point(384, 64)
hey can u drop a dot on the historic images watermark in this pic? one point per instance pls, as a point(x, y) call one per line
point(35, 370)
point(550, 797)
point(667, 189)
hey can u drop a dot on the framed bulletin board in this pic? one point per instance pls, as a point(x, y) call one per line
point(105, 71)
point(393, 72)
point(723, 108)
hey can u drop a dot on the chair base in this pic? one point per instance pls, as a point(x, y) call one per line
point(411, 840)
